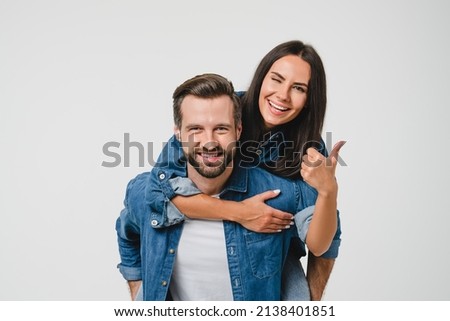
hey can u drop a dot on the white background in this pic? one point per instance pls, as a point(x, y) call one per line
point(75, 75)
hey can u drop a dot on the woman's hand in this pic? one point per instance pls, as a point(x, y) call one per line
point(257, 216)
point(319, 171)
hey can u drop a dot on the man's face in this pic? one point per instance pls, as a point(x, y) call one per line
point(208, 133)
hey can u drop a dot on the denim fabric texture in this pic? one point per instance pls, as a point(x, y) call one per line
point(260, 267)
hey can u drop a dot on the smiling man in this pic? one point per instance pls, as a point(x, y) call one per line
point(207, 259)
point(211, 133)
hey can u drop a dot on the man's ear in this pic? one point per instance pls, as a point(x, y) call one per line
point(238, 131)
point(176, 131)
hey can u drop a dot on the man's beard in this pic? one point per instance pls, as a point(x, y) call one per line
point(211, 170)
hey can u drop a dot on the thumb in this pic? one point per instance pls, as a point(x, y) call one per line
point(269, 194)
point(336, 148)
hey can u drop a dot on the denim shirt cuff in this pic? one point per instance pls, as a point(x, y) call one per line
point(164, 184)
point(172, 215)
point(302, 220)
point(333, 251)
point(130, 273)
point(183, 186)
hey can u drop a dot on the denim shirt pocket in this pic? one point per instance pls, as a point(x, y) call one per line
point(265, 253)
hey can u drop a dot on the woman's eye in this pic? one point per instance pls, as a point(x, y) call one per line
point(300, 89)
point(276, 80)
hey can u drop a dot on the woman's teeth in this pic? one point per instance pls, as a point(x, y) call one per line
point(277, 107)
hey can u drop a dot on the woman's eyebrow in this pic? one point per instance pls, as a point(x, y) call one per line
point(295, 83)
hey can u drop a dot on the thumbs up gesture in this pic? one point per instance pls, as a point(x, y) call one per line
point(319, 171)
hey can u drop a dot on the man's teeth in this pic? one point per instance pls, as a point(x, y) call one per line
point(277, 107)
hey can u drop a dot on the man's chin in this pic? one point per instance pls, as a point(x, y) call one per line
point(210, 170)
point(210, 173)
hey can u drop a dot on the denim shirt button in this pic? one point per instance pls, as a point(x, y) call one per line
point(162, 176)
point(164, 283)
point(154, 222)
point(171, 251)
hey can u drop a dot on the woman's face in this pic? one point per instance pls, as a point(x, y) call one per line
point(284, 90)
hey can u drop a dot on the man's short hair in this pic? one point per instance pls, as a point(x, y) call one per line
point(205, 86)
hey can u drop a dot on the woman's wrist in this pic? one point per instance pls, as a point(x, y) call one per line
point(329, 190)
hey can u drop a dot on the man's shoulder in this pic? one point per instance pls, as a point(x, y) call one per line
point(266, 174)
point(136, 187)
point(260, 180)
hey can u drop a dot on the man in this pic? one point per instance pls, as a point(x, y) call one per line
point(199, 259)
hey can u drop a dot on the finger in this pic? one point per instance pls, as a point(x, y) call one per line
point(311, 163)
point(282, 225)
point(304, 174)
point(281, 222)
point(336, 148)
point(280, 215)
point(313, 154)
point(275, 228)
point(268, 194)
point(271, 230)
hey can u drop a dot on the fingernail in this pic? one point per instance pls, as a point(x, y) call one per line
point(287, 226)
point(276, 191)
point(292, 223)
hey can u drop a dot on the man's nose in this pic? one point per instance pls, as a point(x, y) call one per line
point(210, 142)
point(211, 145)
point(210, 138)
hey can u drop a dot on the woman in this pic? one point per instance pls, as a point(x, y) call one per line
point(283, 115)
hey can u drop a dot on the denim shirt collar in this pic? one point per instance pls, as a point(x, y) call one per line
point(238, 180)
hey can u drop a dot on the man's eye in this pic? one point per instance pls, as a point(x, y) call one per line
point(222, 129)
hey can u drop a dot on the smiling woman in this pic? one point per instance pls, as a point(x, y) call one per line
point(284, 90)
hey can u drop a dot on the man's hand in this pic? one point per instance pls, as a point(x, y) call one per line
point(319, 171)
point(260, 217)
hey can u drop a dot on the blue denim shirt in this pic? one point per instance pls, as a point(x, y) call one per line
point(164, 182)
point(255, 260)
point(171, 167)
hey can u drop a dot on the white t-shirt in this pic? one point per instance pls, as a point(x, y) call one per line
point(201, 266)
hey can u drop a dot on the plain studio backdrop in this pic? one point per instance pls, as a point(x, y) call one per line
point(76, 75)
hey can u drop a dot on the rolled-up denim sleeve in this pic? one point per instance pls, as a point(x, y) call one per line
point(170, 163)
point(302, 220)
point(180, 186)
point(333, 250)
point(128, 238)
point(167, 179)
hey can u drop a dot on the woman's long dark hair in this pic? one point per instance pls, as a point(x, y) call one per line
point(303, 131)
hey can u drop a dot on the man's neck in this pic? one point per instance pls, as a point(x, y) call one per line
point(209, 186)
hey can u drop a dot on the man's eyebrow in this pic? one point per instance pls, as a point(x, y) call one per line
point(193, 125)
point(224, 125)
point(295, 83)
